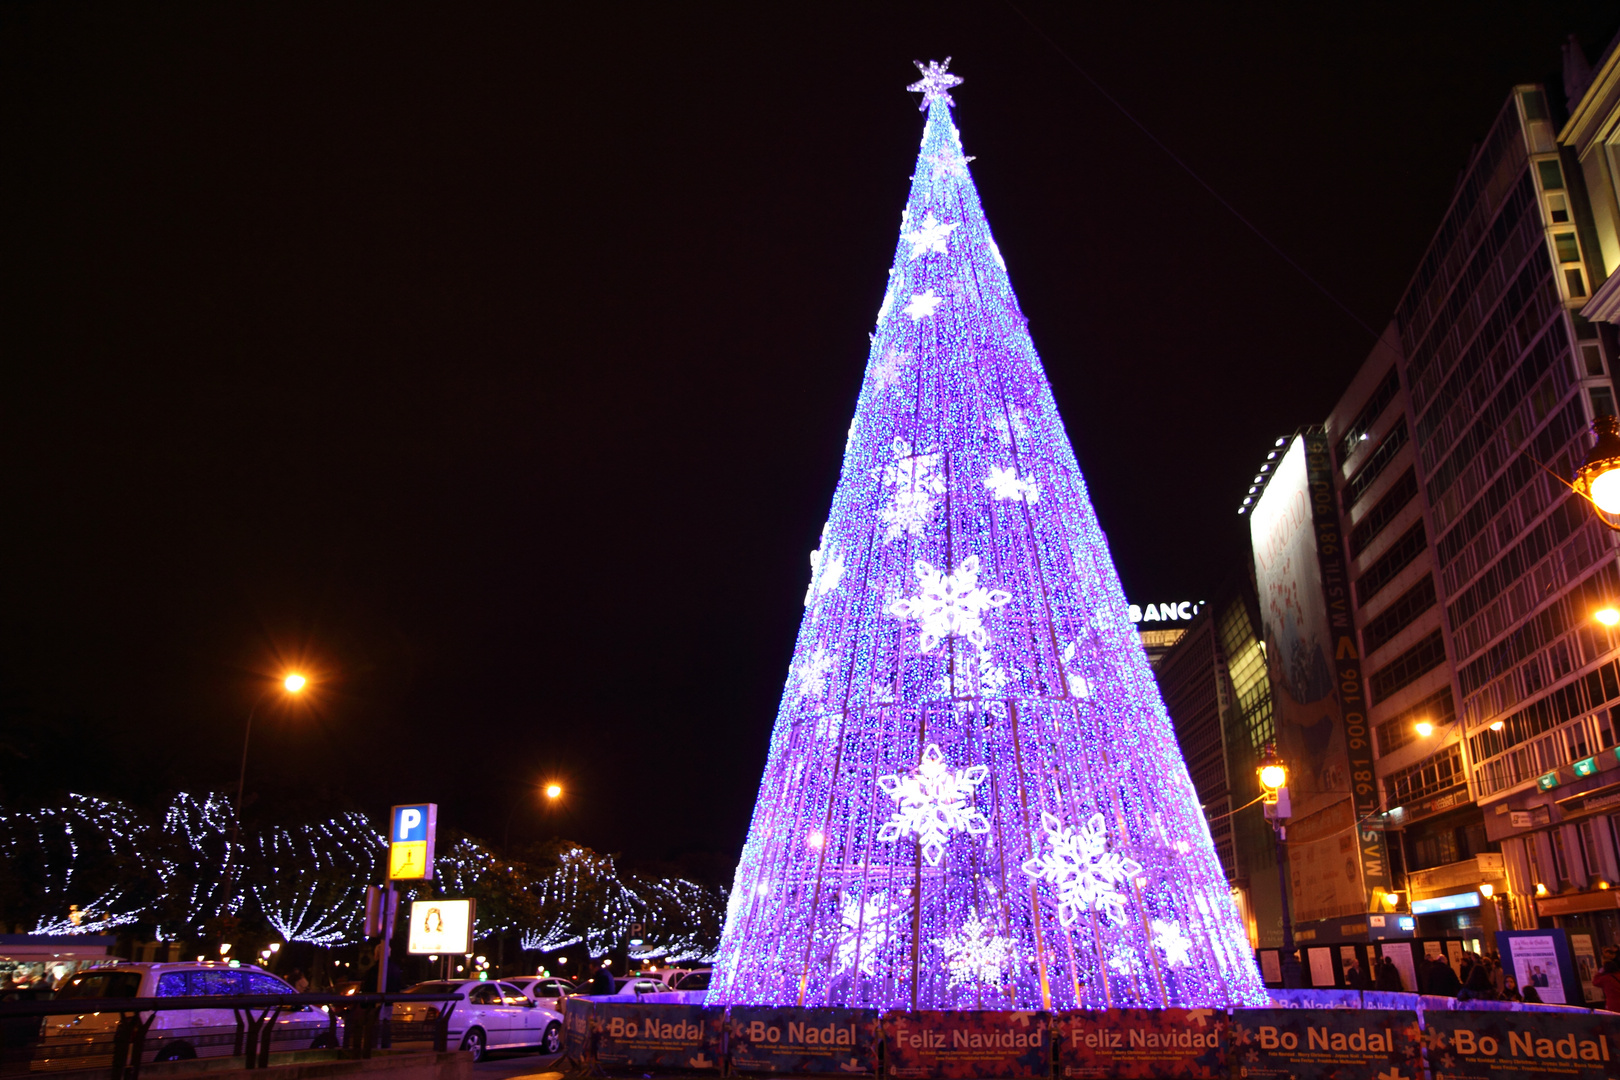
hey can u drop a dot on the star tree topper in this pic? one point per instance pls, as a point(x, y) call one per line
point(935, 84)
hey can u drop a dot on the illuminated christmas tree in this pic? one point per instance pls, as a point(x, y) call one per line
point(973, 796)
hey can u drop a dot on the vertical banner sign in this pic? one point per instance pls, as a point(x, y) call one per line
point(1332, 561)
point(1324, 859)
point(1327, 1044)
point(967, 1045)
point(763, 1039)
point(1142, 1044)
point(410, 841)
point(578, 1017)
point(1523, 1046)
point(633, 1036)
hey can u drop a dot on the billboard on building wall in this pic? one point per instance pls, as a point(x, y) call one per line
point(1307, 665)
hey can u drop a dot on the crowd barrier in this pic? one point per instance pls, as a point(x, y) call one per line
point(1305, 1035)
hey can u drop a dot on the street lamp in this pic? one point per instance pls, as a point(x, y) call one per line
point(553, 791)
point(1424, 728)
point(1273, 774)
point(1598, 479)
point(293, 684)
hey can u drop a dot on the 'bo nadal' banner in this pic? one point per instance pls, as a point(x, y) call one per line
point(967, 1045)
point(803, 1040)
point(1522, 1045)
point(657, 1036)
point(1325, 1044)
point(1142, 1044)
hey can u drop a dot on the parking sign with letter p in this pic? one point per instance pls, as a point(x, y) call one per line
point(410, 841)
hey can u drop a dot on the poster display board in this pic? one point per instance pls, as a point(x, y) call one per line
point(1141, 1044)
point(440, 926)
point(843, 1041)
point(1322, 1044)
point(577, 1016)
point(1400, 954)
point(1523, 1046)
point(630, 1035)
point(967, 1045)
point(1586, 966)
point(1321, 967)
point(1541, 959)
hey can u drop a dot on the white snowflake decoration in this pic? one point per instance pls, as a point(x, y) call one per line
point(948, 165)
point(1172, 942)
point(1005, 484)
point(915, 483)
point(1079, 685)
point(826, 571)
point(1125, 961)
point(931, 235)
point(932, 802)
point(811, 674)
point(935, 84)
point(978, 676)
point(1015, 423)
point(922, 305)
point(976, 955)
point(862, 930)
point(887, 305)
point(1086, 874)
point(888, 368)
point(950, 605)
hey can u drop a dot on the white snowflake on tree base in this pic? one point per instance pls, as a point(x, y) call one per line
point(976, 955)
point(932, 802)
point(950, 605)
point(863, 931)
point(1172, 942)
point(1085, 873)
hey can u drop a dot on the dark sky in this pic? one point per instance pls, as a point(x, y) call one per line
point(493, 362)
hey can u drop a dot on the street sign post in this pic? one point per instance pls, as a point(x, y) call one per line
point(410, 841)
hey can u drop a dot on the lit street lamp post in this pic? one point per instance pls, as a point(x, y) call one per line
point(293, 684)
point(1274, 790)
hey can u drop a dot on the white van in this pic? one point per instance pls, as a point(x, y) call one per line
point(77, 1040)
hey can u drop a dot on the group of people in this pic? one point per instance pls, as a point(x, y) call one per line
point(1476, 978)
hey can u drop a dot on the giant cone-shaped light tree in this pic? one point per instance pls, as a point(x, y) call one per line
point(973, 796)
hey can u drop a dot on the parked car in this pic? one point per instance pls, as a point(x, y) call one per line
point(639, 984)
point(71, 1040)
point(546, 990)
point(487, 1016)
point(691, 980)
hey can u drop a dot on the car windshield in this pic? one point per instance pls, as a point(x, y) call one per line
point(103, 984)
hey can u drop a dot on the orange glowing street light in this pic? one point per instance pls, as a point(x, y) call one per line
point(553, 791)
point(1607, 616)
point(293, 684)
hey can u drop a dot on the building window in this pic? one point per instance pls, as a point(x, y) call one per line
point(1602, 401)
point(1394, 733)
point(1568, 249)
point(1432, 775)
point(1593, 358)
point(1399, 615)
point(1552, 178)
point(1557, 209)
point(1577, 286)
point(1423, 657)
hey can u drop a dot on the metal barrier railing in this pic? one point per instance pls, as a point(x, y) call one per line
point(365, 1028)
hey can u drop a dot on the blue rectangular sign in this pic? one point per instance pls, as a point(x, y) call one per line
point(411, 823)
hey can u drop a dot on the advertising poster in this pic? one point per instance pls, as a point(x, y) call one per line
point(840, 1041)
point(1324, 1044)
point(1321, 966)
point(1532, 958)
point(1141, 1044)
point(1586, 965)
point(1519, 1046)
point(1454, 953)
point(577, 1016)
point(440, 926)
point(1400, 954)
point(1317, 685)
point(1270, 966)
point(967, 1045)
point(635, 1036)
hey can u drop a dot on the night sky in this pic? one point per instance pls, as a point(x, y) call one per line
point(492, 363)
